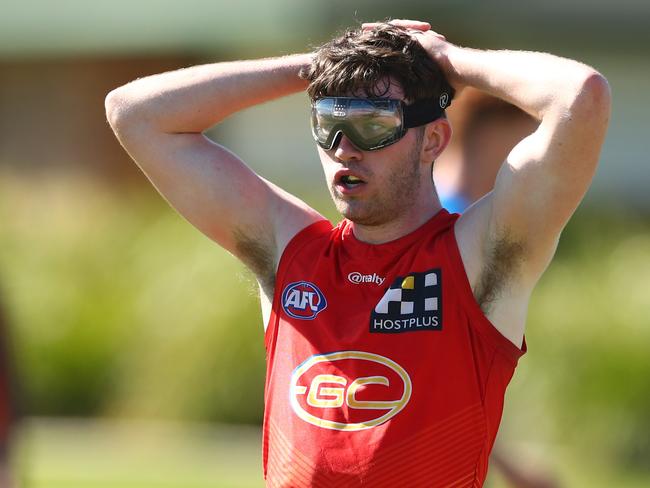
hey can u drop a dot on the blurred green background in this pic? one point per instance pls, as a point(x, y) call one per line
point(138, 343)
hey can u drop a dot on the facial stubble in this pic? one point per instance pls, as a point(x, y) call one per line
point(395, 199)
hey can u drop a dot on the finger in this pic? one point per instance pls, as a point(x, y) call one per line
point(411, 24)
point(371, 25)
point(426, 33)
point(437, 34)
point(405, 24)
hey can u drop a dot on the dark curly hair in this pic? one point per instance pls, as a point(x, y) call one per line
point(361, 62)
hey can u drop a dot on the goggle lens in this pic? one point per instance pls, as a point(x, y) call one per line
point(369, 123)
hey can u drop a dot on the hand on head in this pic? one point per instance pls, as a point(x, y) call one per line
point(434, 43)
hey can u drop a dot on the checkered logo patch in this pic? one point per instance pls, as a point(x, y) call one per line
point(413, 302)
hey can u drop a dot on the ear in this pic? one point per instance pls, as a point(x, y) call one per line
point(437, 135)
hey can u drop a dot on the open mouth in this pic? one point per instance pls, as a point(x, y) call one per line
point(350, 181)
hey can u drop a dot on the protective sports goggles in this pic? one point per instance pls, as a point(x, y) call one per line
point(370, 123)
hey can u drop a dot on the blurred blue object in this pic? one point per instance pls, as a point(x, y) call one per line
point(454, 203)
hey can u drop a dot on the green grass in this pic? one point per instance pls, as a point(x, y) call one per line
point(56, 453)
point(86, 453)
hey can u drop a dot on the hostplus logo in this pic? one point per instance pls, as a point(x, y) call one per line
point(411, 303)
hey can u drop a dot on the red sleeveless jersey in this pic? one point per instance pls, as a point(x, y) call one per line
point(382, 370)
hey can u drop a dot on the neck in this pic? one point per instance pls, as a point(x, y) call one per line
point(402, 225)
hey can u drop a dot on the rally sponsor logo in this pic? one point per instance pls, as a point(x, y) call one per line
point(303, 300)
point(358, 278)
point(411, 303)
point(349, 390)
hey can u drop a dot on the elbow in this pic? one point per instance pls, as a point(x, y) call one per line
point(115, 108)
point(598, 91)
point(594, 97)
point(123, 109)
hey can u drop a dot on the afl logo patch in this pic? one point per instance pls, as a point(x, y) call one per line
point(303, 300)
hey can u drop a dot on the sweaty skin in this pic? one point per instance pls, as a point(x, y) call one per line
point(506, 239)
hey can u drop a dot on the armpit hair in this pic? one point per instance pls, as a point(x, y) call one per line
point(504, 260)
point(257, 255)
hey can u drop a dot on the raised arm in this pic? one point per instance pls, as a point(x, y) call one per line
point(508, 238)
point(160, 119)
point(546, 175)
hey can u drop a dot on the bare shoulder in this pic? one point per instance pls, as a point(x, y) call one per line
point(218, 193)
point(260, 243)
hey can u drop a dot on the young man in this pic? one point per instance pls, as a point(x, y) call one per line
point(391, 337)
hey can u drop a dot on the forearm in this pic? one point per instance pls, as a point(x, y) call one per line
point(535, 82)
point(191, 100)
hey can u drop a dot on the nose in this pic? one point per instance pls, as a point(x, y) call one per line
point(346, 151)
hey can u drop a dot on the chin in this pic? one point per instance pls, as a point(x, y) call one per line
point(350, 211)
point(359, 214)
point(363, 211)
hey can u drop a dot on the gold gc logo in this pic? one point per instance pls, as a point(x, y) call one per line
point(349, 390)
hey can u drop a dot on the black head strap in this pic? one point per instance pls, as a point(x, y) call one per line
point(425, 110)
